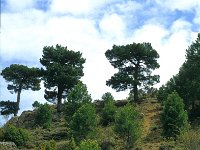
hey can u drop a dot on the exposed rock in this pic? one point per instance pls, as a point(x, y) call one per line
point(8, 146)
point(25, 120)
point(121, 103)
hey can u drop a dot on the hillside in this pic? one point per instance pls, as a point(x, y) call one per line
point(151, 136)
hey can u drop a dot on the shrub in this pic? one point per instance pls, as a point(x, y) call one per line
point(1, 134)
point(106, 138)
point(44, 116)
point(51, 145)
point(47, 145)
point(83, 121)
point(72, 145)
point(61, 145)
point(108, 113)
point(17, 135)
point(89, 145)
point(75, 99)
point(191, 140)
point(128, 125)
point(174, 118)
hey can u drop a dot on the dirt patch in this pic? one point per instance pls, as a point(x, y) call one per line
point(151, 137)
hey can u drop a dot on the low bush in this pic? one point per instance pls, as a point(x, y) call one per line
point(1, 134)
point(191, 140)
point(89, 145)
point(17, 135)
point(128, 125)
point(47, 145)
point(71, 145)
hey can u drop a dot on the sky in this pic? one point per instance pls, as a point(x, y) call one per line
point(92, 27)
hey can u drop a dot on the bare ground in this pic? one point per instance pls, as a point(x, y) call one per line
point(151, 137)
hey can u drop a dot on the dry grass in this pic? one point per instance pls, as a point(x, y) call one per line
point(151, 137)
point(191, 140)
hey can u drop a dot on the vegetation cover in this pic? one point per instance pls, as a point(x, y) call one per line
point(44, 116)
point(174, 117)
point(17, 135)
point(138, 122)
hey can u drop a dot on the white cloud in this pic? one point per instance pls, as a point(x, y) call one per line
point(112, 26)
point(23, 35)
point(172, 51)
point(181, 24)
point(150, 33)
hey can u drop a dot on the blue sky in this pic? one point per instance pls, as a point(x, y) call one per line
point(92, 27)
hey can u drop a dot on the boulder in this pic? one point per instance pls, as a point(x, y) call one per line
point(8, 146)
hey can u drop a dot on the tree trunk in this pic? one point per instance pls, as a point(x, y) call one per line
point(18, 101)
point(135, 91)
point(135, 84)
point(59, 104)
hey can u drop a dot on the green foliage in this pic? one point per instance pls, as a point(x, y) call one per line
point(36, 104)
point(63, 69)
point(151, 92)
point(135, 63)
point(1, 134)
point(162, 94)
point(106, 137)
point(187, 82)
point(190, 140)
point(72, 145)
point(79, 94)
point(51, 145)
point(190, 79)
point(107, 97)
point(61, 145)
point(20, 78)
point(17, 135)
point(8, 107)
point(89, 145)
point(172, 85)
point(84, 145)
point(44, 116)
point(75, 99)
point(109, 110)
point(48, 145)
point(174, 118)
point(83, 121)
point(128, 124)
